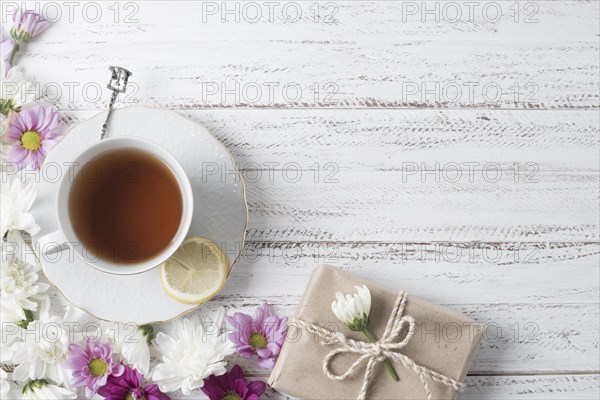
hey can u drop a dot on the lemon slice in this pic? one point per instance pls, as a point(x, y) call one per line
point(195, 272)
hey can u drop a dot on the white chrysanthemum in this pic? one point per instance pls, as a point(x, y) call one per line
point(18, 89)
point(353, 309)
point(45, 346)
point(19, 281)
point(42, 390)
point(4, 147)
point(11, 312)
point(132, 342)
point(16, 199)
point(190, 354)
point(4, 384)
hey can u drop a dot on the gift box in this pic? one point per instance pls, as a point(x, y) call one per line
point(431, 364)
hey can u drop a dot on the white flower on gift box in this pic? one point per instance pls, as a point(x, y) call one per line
point(353, 309)
point(190, 353)
point(19, 281)
point(45, 346)
point(40, 389)
point(16, 199)
point(132, 342)
point(4, 384)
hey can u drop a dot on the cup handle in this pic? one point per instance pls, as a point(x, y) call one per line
point(51, 243)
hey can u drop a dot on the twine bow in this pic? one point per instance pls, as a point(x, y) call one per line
point(377, 352)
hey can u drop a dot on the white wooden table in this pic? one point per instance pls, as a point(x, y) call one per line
point(453, 153)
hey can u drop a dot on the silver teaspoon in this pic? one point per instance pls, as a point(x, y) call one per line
point(117, 84)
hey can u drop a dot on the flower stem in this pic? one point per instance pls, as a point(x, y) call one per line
point(14, 53)
point(386, 363)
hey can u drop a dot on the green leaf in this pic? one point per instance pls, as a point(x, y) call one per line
point(28, 318)
point(148, 331)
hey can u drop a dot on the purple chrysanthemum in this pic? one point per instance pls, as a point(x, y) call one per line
point(27, 24)
point(129, 386)
point(264, 335)
point(92, 366)
point(232, 385)
point(31, 133)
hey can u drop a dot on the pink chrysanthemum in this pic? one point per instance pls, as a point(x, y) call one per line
point(27, 24)
point(31, 133)
point(130, 386)
point(264, 335)
point(92, 366)
point(232, 385)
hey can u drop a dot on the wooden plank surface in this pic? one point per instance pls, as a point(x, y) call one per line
point(395, 140)
point(441, 272)
point(360, 169)
point(557, 387)
point(493, 187)
point(378, 206)
point(546, 387)
point(551, 327)
point(539, 54)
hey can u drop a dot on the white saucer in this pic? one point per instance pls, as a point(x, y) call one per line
point(220, 212)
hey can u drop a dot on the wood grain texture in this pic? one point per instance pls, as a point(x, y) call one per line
point(367, 206)
point(439, 183)
point(395, 140)
point(552, 327)
point(454, 273)
point(543, 387)
point(533, 387)
point(378, 137)
point(540, 387)
point(370, 54)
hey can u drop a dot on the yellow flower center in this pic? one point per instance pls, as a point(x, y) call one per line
point(97, 367)
point(231, 396)
point(258, 341)
point(31, 140)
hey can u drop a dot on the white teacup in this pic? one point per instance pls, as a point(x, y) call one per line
point(65, 235)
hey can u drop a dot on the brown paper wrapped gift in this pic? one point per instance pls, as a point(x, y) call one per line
point(443, 340)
